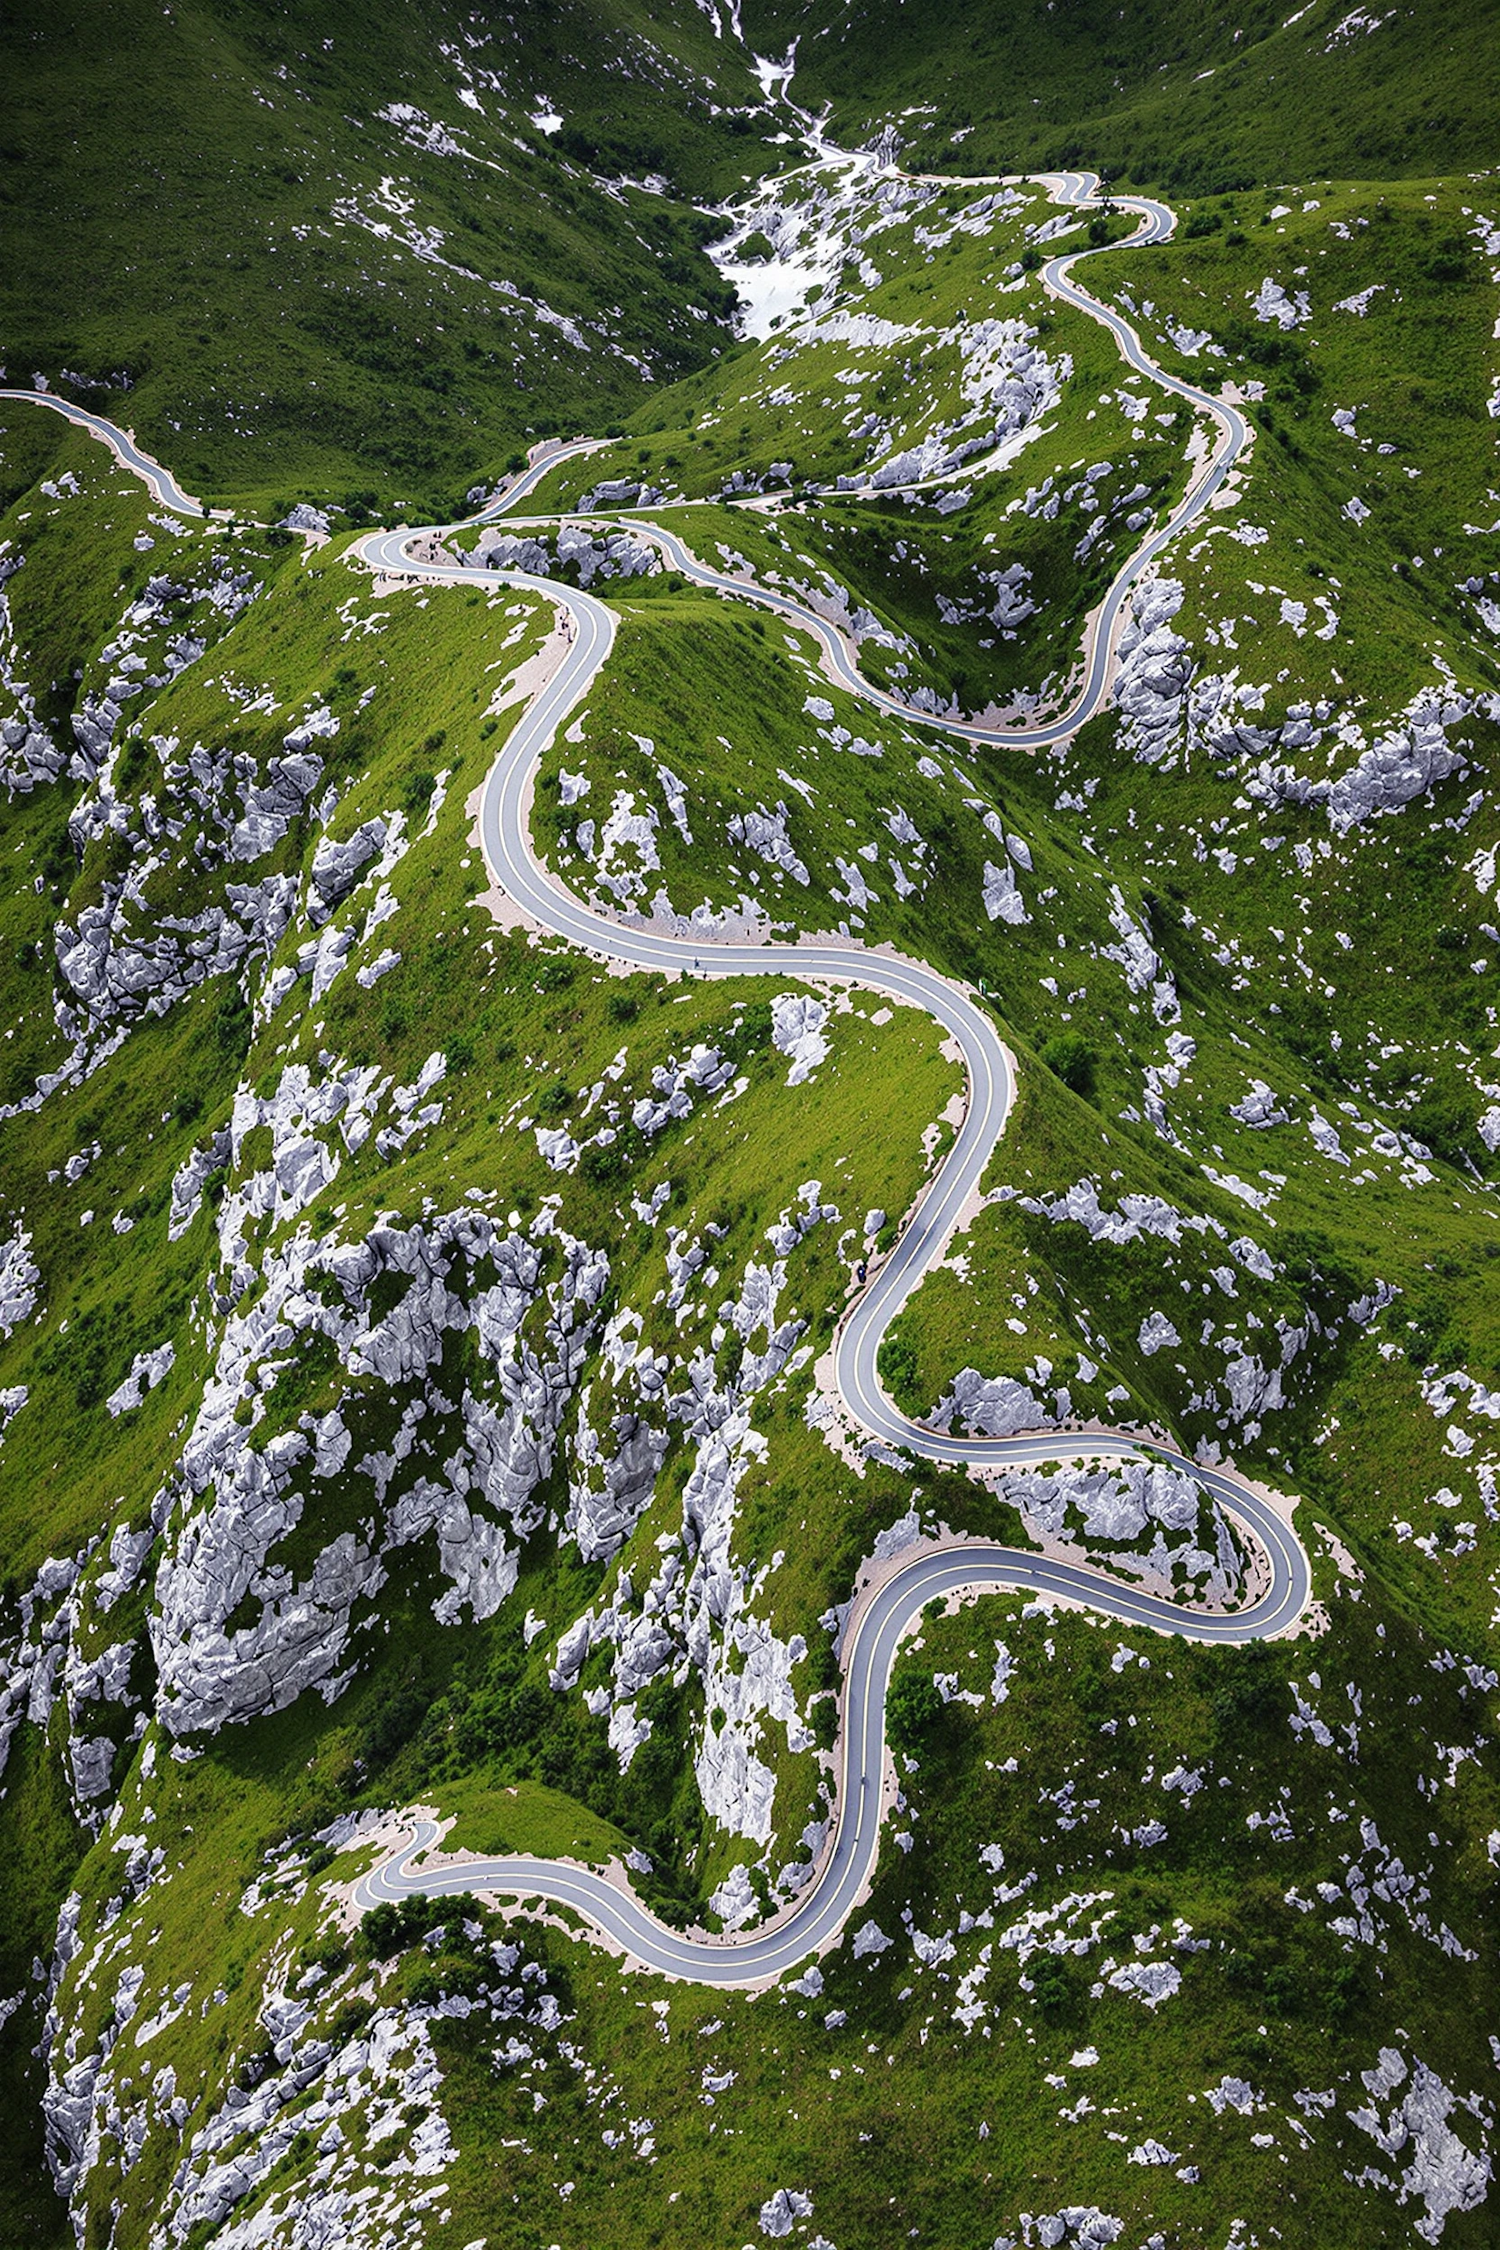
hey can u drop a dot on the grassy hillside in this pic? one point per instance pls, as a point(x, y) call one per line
point(1164, 93)
point(413, 1334)
point(1271, 1832)
point(332, 251)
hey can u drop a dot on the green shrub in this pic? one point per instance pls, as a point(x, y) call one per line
point(1070, 1057)
point(912, 1707)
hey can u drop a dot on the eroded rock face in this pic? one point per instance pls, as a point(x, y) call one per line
point(995, 1406)
point(1156, 670)
point(697, 1613)
point(1144, 1519)
point(464, 1470)
point(1406, 762)
point(20, 1281)
point(29, 757)
point(1432, 2165)
point(1170, 705)
point(572, 553)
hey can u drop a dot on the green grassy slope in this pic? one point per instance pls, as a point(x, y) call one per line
point(404, 678)
point(1162, 93)
point(309, 296)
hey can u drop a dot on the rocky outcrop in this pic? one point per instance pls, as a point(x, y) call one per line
point(1406, 762)
point(571, 553)
point(19, 1282)
point(1168, 706)
point(462, 1472)
point(28, 755)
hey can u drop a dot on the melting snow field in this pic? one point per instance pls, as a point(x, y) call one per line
point(770, 293)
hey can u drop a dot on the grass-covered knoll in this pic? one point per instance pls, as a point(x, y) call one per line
point(334, 254)
point(1164, 94)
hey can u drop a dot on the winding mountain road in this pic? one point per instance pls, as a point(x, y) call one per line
point(1102, 630)
point(159, 482)
point(880, 1619)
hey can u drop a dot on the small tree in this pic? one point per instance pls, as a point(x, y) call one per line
point(1071, 1059)
point(912, 1707)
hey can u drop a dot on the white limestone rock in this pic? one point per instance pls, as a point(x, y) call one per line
point(271, 806)
point(735, 1901)
point(1272, 305)
point(993, 1406)
point(797, 1021)
point(1157, 1335)
point(146, 1371)
point(238, 1499)
point(1406, 762)
point(320, 725)
point(602, 1515)
point(1434, 2166)
point(93, 1759)
point(573, 553)
point(1077, 2226)
point(20, 1281)
point(1259, 1108)
point(1002, 896)
point(781, 2212)
point(190, 1179)
point(765, 834)
point(1150, 1982)
point(1155, 671)
point(338, 866)
point(1108, 1511)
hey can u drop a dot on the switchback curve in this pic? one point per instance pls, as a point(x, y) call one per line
point(877, 1625)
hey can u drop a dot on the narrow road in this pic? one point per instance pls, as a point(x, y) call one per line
point(815, 1920)
point(159, 482)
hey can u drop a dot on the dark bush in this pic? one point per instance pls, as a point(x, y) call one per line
point(394, 1924)
point(391, 1725)
point(604, 1167)
point(912, 1707)
point(1070, 1058)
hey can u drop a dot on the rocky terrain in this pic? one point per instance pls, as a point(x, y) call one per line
point(416, 1334)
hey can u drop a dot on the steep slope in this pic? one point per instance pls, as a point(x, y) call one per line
point(339, 252)
point(437, 1320)
point(1164, 93)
